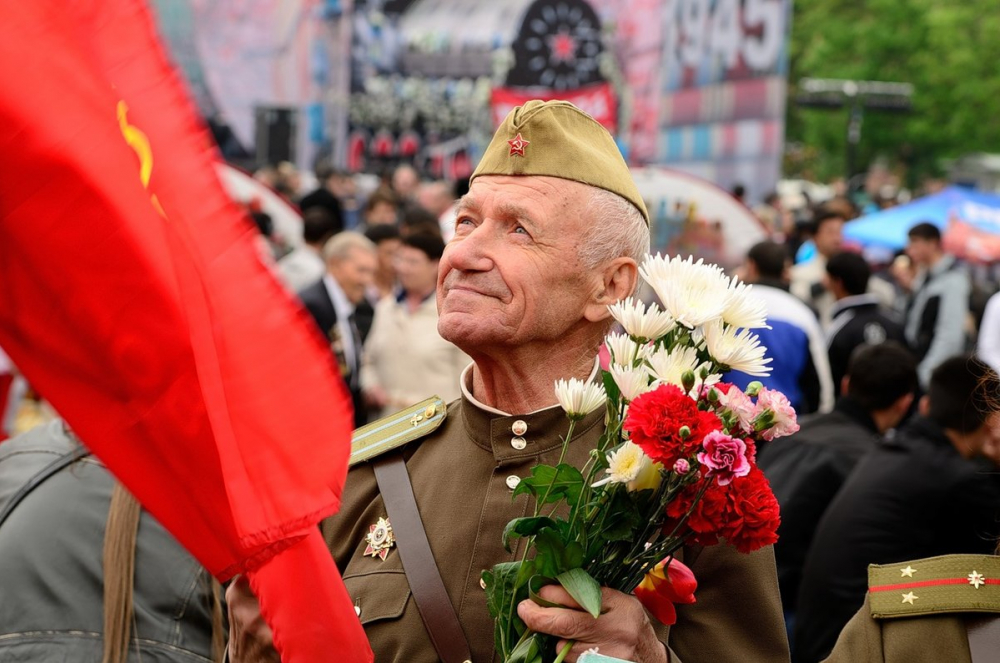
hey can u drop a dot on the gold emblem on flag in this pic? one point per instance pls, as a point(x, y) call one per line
point(380, 539)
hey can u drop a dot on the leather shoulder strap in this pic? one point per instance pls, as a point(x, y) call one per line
point(40, 476)
point(436, 610)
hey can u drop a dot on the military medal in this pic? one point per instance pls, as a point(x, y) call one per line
point(379, 539)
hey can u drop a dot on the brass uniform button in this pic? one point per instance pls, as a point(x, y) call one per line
point(512, 481)
point(519, 428)
point(518, 443)
point(357, 610)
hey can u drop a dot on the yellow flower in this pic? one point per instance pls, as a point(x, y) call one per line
point(629, 465)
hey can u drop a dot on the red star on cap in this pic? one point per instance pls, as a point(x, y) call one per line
point(517, 145)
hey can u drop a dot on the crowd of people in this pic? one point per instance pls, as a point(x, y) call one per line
point(890, 369)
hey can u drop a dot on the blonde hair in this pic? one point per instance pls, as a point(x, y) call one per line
point(340, 245)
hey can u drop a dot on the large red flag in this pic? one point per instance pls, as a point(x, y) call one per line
point(133, 296)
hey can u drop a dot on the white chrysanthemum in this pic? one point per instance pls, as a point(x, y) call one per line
point(740, 350)
point(744, 310)
point(644, 324)
point(632, 381)
point(579, 398)
point(668, 366)
point(693, 293)
point(624, 350)
point(629, 465)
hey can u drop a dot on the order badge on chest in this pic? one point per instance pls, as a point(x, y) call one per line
point(380, 539)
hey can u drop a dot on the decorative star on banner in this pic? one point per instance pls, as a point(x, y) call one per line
point(517, 145)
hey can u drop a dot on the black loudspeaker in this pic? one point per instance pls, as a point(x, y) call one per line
point(275, 133)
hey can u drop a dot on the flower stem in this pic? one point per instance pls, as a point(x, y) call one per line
point(564, 652)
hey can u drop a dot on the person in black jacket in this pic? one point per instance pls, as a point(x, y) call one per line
point(808, 468)
point(337, 303)
point(930, 490)
point(857, 318)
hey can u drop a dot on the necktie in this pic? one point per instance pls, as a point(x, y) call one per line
point(356, 359)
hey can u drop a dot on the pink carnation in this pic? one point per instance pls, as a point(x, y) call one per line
point(782, 414)
point(736, 401)
point(725, 457)
point(682, 466)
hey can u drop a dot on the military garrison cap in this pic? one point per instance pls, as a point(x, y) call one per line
point(397, 429)
point(557, 139)
point(950, 583)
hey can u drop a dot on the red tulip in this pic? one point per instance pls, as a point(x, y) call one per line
point(664, 586)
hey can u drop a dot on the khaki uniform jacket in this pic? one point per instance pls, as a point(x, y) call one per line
point(462, 476)
point(926, 639)
point(939, 609)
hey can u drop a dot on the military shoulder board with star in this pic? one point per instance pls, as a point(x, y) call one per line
point(950, 583)
point(397, 429)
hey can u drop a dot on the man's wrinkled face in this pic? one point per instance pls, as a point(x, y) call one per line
point(512, 274)
point(354, 273)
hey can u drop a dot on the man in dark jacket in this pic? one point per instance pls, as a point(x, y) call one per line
point(927, 491)
point(808, 468)
point(857, 317)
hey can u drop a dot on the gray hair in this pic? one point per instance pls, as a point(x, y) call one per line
point(340, 245)
point(617, 228)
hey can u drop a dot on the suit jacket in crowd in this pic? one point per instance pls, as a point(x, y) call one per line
point(316, 299)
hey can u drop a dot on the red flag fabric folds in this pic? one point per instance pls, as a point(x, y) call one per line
point(134, 297)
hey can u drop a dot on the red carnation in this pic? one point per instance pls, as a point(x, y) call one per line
point(752, 514)
point(656, 418)
point(707, 517)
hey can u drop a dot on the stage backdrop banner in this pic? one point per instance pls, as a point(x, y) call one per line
point(134, 297)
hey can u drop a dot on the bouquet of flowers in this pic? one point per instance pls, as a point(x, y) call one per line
point(675, 464)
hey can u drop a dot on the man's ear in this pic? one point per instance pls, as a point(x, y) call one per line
point(618, 280)
point(904, 404)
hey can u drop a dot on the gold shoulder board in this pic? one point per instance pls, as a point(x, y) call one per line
point(950, 583)
point(397, 429)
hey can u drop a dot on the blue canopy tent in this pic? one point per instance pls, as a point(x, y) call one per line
point(970, 221)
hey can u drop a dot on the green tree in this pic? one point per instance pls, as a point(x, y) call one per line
point(948, 50)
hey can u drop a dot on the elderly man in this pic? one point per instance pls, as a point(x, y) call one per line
point(548, 236)
point(337, 304)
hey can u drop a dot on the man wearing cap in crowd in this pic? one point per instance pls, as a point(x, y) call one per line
point(548, 236)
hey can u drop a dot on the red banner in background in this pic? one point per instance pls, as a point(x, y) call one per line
point(598, 101)
point(133, 296)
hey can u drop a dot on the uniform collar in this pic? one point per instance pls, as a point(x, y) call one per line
point(495, 430)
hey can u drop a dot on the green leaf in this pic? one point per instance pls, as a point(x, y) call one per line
point(524, 527)
point(573, 555)
point(610, 388)
point(622, 517)
point(526, 652)
point(535, 585)
point(565, 480)
point(549, 549)
point(583, 588)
